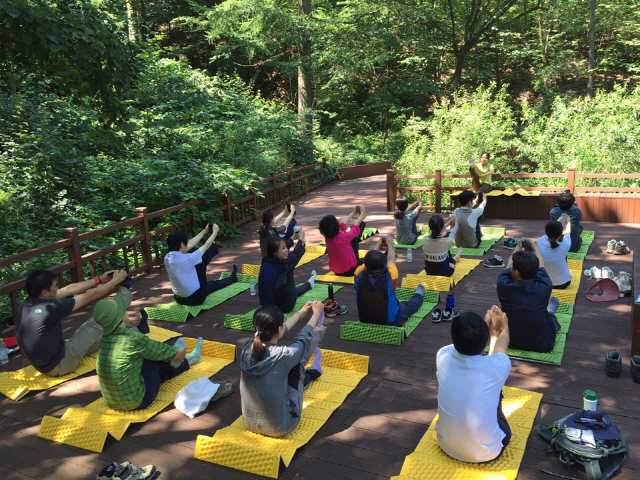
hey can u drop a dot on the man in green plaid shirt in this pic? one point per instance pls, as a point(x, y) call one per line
point(131, 366)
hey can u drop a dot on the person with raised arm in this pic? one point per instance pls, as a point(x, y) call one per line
point(406, 218)
point(268, 229)
point(471, 426)
point(481, 173)
point(39, 329)
point(343, 241)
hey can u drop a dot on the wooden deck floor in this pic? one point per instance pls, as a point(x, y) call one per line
point(382, 421)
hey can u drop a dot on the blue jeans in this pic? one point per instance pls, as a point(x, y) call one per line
point(406, 309)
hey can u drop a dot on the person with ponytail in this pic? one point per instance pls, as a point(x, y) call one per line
point(276, 285)
point(406, 217)
point(437, 256)
point(268, 229)
point(273, 376)
point(553, 247)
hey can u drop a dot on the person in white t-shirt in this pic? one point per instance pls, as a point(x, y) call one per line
point(471, 426)
point(188, 271)
point(554, 247)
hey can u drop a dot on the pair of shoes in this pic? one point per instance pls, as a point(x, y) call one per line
point(126, 471)
point(224, 390)
point(595, 272)
point(613, 365)
point(617, 247)
point(510, 243)
point(436, 315)
point(495, 262)
point(331, 308)
point(449, 314)
point(623, 280)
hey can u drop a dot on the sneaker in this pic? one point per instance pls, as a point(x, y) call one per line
point(593, 272)
point(341, 310)
point(621, 249)
point(611, 245)
point(297, 229)
point(449, 314)
point(613, 363)
point(111, 471)
point(510, 243)
point(607, 272)
point(623, 280)
point(131, 472)
point(224, 390)
point(330, 307)
point(436, 315)
point(495, 262)
point(635, 368)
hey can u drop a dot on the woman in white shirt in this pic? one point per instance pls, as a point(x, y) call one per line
point(554, 247)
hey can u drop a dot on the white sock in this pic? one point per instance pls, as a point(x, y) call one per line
point(316, 360)
point(312, 278)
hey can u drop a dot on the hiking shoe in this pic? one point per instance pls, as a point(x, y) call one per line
point(111, 471)
point(131, 472)
point(341, 310)
point(330, 307)
point(607, 272)
point(495, 262)
point(611, 245)
point(621, 249)
point(613, 363)
point(436, 315)
point(449, 314)
point(224, 390)
point(635, 368)
point(510, 243)
point(593, 272)
point(623, 280)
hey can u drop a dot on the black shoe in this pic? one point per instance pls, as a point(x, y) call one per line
point(635, 368)
point(436, 315)
point(613, 363)
point(449, 314)
point(234, 274)
point(143, 326)
point(495, 262)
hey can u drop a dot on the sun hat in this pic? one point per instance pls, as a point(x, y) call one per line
point(608, 288)
point(109, 312)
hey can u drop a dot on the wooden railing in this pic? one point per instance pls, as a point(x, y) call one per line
point(141, 252)
point(437, 191)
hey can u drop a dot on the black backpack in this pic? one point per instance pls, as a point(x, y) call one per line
point(601, 462)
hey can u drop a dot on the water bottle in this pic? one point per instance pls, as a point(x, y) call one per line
point(4, 353)
point(331, 292)
point(252, 286)
point(590, 400)
point(409, 255)
point(451, 300)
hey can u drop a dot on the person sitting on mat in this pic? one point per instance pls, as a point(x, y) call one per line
point(524, 291)
point(276, 285)
point(268, 230)
point(437, 256)
point(467, 231)
point(188, 271)
point(471, 426)
point(567, 205)
point(39, 329)
point(554, 246)
point(375, 284)
point(273, 376)
point(343, 242)
point(130, 365)
point(406, 218)
point(481, 174)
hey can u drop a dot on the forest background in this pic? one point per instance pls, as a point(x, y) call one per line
point(107, 105)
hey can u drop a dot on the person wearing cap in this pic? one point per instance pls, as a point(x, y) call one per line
point(131, 366)
point(39, 329)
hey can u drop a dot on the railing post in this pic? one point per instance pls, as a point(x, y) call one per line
point(391, 193)
point(438, 191)
point(75, 254)
point(143, 229)
point(571, 179)
point(290, 187)
point(229, 208)
point(306, 180)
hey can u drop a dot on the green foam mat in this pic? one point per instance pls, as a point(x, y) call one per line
point(419, 242)
point(588, 235)
point(368, 232)
point(245, 321)
point(490, 236)
point(242, 277)
point(387, 334)
point(576, 256)
point(174, 312)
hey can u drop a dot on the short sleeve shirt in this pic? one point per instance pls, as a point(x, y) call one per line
point(39, 331)
point(341, 256)
point(437, 260)
point(555, 259)
point(404, 231)
point(469, 389)
point(182, 272)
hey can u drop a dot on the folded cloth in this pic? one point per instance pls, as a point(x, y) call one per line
point(583, 437)
point(195, 397)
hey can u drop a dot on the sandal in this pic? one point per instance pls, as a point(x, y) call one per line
point(436, 315)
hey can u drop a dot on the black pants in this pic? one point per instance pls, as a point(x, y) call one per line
point(310, 374)
point(563, 286)
point(478, 233)
point(154, 373)
point(206, 287)
point(286, 299)
point(355, 245)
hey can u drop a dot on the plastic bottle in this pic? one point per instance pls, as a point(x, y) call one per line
point(451, 300)
point(409, 255)
point(331, 292)
point(590, 399)
point(4, 353)
point(252, 286)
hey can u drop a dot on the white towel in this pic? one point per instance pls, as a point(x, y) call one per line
point(195, 397)
point(583, 437)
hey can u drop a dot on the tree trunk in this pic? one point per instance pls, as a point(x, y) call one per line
point(457, 74)
point(132, 29)
point(543, 47)
point(592, 47)
point(305, 84)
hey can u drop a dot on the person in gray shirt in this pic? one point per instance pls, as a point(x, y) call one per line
point(273, 376)
point(406, 217)
point(467, 232)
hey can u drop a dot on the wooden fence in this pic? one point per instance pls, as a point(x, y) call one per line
point(142, 252)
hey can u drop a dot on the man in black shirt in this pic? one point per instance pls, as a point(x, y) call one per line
point(39, 330)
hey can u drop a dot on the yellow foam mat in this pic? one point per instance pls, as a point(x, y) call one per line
point(463, 268)
point(88, 427)
point(17, 384)
point(568, 295)
point(311, 253)
point(333, 278)
point(430, 282)
point(507, 192)
point(429, 462)
point(236, 447)
point(249, 269)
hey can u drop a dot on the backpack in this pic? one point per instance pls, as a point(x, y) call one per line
point(601, 462)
